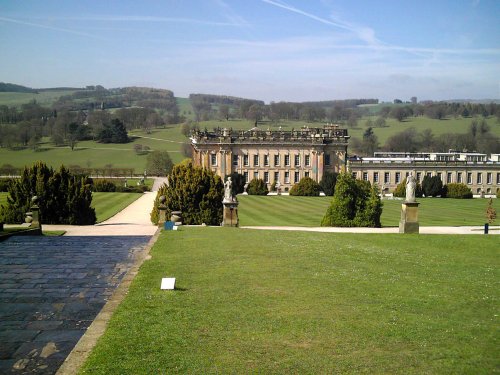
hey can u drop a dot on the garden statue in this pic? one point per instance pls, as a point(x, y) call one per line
point(410, 188)
point(228, 193)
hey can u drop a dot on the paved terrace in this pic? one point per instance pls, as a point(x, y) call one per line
point(51, 289)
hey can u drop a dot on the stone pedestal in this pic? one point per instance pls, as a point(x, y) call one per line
point(162, 214)
point(35, 214)
point(230, 214)
point(409, 218)
point(162, 211)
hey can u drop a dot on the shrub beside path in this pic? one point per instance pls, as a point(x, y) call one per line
point(131, 221)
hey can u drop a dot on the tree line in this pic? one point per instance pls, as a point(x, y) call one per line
point(25, 126)
point(347, 112)
point(478, 137)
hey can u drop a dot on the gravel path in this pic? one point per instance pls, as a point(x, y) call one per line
point(131, 221)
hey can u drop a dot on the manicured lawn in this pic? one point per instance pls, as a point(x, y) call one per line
point(308, 211)
point(312, 303)
point(105, 204)
point(108, 204)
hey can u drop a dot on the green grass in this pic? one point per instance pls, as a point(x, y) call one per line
point(185, 108)
point(438, 127)
point(44, 98)
point(3, 198)
point(169, 138)
point(308, 211)
point(89, 154)
point(108, 204)
point(308, 303)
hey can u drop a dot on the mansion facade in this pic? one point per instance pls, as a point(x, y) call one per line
point(287, 156)
point(478, 171)
point(272, 155)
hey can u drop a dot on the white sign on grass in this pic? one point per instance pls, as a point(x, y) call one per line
point(168, 283)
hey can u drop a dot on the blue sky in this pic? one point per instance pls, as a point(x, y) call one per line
point(264, 49)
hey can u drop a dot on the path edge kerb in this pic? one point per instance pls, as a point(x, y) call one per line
point(77, 357)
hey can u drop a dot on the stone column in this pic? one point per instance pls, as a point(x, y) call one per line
point(321, 165)
point(314, 165)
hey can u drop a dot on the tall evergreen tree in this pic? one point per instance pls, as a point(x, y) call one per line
point(62, 198)
point(355, 204)
point(197, 192)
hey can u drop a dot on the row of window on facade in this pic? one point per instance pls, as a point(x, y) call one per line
point(266, 159)
point(266, 176)
point(461, 177)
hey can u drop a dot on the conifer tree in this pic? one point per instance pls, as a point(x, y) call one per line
point(62, 198)
point(197, 192)
point(355, 204)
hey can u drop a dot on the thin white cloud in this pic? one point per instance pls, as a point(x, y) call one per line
point(126, 18)
point(233, 17)
point(367, 35)
point(42, 26)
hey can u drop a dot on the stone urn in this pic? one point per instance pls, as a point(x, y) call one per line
point(176, 217)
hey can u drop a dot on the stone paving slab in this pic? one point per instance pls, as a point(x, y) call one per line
point(51, 289)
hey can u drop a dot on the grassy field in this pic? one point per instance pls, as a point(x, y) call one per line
point(105, 204)
point(185, 108)
point(44, 98)
point(92, 154)
point(308, 211)
point(308, 303)
point(438, 127)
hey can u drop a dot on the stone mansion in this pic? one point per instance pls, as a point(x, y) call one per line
point(387, 169)
point(287, 156)
point(272, 155)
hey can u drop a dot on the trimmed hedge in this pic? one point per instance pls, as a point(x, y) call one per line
point(355, 204)
point(257, 187)
point(306, 187)
point(197, 192)
point(457, 191)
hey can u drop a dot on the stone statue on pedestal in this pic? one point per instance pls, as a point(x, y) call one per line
point(230, 206)
point(411, 185)
point(409, 209)
point(228, 190)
